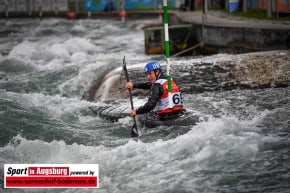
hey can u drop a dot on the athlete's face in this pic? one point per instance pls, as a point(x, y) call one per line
point(151, 76)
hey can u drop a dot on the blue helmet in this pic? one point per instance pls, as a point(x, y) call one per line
point(150, 66)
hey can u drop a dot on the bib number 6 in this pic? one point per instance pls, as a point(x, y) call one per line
point(177, 99)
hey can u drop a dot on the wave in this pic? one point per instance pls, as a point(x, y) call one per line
point(193, 158)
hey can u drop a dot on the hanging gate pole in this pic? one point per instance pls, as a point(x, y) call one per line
point(167, 50)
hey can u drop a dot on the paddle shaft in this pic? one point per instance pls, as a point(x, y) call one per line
point(128, 80)
point(131, 100)
point(132, 106)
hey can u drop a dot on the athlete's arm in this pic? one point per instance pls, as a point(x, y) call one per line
point(156, 92)
point(143, 85)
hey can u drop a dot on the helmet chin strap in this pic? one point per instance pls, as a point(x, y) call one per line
point(157, 75)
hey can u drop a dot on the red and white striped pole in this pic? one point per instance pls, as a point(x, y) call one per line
point(122, 12)
point(160, 12)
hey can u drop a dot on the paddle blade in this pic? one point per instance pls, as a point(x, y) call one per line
point(134, 131)
point(125, 70)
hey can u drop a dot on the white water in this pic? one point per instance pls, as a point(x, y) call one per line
point(43, 119)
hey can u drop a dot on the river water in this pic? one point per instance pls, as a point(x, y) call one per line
point(48, 66)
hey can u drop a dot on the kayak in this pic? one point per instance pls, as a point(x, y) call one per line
point(184, 118)
point(149, 120)
point(110, 113)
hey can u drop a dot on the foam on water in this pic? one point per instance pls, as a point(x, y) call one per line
point(76, 44)
point(168, 166)
point(225, 153)
point(23, 50)
point(87, 53)
point(54, 106)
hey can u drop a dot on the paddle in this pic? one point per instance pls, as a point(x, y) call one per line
point(134, 130)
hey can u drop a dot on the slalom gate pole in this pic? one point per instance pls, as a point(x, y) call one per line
point(167, 50)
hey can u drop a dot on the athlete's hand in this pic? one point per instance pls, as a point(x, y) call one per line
point(129, 85)
point(133, 113)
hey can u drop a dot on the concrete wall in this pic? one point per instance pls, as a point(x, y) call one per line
point(249, 38)
point(222, 39)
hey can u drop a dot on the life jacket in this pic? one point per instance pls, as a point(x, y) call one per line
point(162, 105)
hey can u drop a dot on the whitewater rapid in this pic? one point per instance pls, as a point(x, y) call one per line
point(47, 67)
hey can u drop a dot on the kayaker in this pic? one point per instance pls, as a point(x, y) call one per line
point(158, 101)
